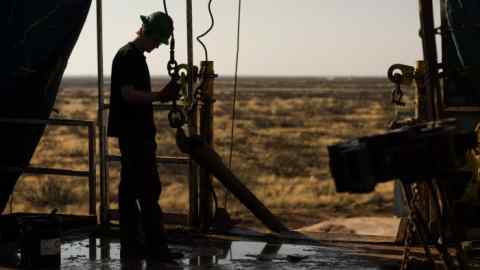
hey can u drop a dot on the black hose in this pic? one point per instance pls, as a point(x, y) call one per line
point(212, 23)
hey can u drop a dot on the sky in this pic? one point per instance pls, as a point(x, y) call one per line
point(277, 37)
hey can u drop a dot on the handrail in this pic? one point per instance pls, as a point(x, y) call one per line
point(156, 106)
point(90, 173)
point(159, 159)
point(50, 121)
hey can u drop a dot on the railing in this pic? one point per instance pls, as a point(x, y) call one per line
point(90, 173)
point(108, 214)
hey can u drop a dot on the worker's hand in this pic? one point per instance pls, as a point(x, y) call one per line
point(170, 92)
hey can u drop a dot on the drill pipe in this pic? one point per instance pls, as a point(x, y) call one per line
point(207, 158)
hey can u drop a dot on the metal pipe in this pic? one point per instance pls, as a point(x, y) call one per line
point(192, 125)
point(430, 56)
point(208, 159)
point(190, 45)
point(206, 132)
point(159, 159)
point(52, 121)
point(101, 121)
point(42, 170)
point(92, 189)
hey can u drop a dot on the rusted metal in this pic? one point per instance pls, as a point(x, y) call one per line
point(420, 92)
point(206, 132)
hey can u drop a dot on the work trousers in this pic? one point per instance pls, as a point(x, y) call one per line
point(139, 191)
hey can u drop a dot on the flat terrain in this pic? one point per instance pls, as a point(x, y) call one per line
point(282, 131)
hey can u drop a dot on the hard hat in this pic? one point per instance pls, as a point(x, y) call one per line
point(158, 25)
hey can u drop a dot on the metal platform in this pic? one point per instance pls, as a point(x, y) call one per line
point(239, 249)
point(242, 255)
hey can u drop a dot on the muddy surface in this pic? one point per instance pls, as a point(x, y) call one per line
point(231, 255)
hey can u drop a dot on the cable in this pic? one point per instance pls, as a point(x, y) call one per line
point(212, 23)
point(166, 12)
point(165, 6)
point(235, 80)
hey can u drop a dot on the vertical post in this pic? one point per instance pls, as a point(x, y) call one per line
point(433, 102)
point(91, 170)
point(92, 188)
point(422, 112)
point(104, 196)
point(420, 92)
point(206, 132)
point(104, 204)
point(430, 55)
point(193, 218)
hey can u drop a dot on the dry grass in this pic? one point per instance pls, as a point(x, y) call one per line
point(283, 128)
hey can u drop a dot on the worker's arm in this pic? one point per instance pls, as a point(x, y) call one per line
point(134, 96)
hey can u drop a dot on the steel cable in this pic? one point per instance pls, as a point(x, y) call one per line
point(165, 6)
point(235, 82)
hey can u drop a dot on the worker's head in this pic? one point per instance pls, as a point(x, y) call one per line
point(157, 28)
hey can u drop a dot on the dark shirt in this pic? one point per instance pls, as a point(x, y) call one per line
point(132, 120)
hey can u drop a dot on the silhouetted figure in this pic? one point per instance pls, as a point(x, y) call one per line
point(131, 121)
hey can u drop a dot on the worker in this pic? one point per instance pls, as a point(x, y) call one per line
point(131, 121)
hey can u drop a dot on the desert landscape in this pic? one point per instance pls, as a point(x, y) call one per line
point(282, 131)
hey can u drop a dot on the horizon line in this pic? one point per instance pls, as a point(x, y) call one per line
point(245, 76)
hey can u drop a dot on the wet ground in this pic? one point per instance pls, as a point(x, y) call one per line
point(238, 249)
point(232, 255)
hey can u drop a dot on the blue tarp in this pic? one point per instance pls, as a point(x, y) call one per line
point(38, 39)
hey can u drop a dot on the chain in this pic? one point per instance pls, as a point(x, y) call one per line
point(179, 116)
point(396, 97)
point(414, 227)
point(399, 74)
point(397, 93)
point(406, 247)
point(176, 117)
point(410, 231)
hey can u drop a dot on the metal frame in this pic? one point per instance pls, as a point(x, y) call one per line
point(91, 173)
point(105, 158)
point(200, 212)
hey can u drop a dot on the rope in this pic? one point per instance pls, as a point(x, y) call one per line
point(235, 80)
point(212, 23)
